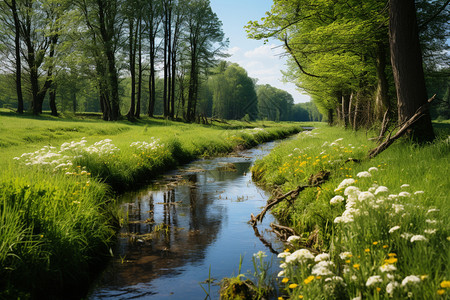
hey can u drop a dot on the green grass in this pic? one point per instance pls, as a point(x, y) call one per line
point(364, 223)
point(58, 179)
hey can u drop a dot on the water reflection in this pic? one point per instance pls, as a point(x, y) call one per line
point(196, 219)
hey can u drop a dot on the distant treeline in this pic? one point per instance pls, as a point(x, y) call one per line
point(128, 58)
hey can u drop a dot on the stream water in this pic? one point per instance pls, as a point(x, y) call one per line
point(190, 226)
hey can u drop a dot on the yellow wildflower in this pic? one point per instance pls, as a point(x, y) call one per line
point(309, 279)
point(378, 289)
point(445, 284)
point(391, 260)
point(293, 285)
point(375, 243)
point(440, 292)
point(300, 297)
point(367, 250)
point(356, 266)
point(392, 254)
point(285, 279)
point(423, 277)
point(385, 246)
point(347, 261)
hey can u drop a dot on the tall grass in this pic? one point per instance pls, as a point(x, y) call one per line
point(58, 179)
point(380, 225)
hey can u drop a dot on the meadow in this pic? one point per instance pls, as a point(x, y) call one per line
point(58, 181)
point(376, 229)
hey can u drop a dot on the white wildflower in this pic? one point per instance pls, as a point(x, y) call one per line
point(430, 231)
point(366, 196)
point(322, 268)
point(394, 229)
point(432, 210)
point(417, 238)
point(301, 256)
point(410, 279)
point(419, 192)
point(260, 254)
point(336, 200)
point(381, 189)
point(404, 186)
point(429, 221)
point(373, 169)
point(293, 238)
point(404, 194)
point(281, 273)
point(387, 268)
point(363, 174)
point(406, 235)
point(352, 191)
point(345, 255)
point(398, 208)
point(390, 287)
point(373, 280)
point(322, 257)
point(345, 183)
point(283, 254)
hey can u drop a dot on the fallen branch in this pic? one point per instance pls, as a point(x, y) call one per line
point(292, 194)
point(403, 129)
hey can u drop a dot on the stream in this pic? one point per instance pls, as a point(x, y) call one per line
point(188, 227)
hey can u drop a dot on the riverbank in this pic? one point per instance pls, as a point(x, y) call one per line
point(59, 175)
point(375, 229)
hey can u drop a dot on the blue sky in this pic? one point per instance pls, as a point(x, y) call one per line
point(261, 61)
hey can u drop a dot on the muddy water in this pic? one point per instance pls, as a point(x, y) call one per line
point(188, 227)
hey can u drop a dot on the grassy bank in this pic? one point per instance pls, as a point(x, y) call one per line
point(376, 229)
point(57, 217)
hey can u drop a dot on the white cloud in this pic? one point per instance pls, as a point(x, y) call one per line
point(264, 63)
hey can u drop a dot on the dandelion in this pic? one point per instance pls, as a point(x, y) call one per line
point(367, 250)
point(356, 266)
point(285, 280)
point(363, 174)
point(309, 279)
point(411, 279)
point(417, 238)
point(445, 284)
point(372, 280)
point(336, 200)
point(440, 292)
point(395, 228)
point(293, 285)
point(391, 260)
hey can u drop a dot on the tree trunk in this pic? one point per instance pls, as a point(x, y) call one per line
point(406, 60)
point(132, 59)
point(382, 102)
point(139, 91)
point(13, 8)
point(52, 101)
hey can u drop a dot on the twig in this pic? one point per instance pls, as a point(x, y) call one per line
point(404, 127)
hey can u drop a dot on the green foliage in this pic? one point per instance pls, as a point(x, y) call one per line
point(387, 233)
point(57, 217)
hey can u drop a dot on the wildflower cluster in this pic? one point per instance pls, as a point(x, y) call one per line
point(377, 236)
point(298, 164)
point(63, 159)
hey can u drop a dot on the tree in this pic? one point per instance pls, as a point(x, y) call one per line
point(205, 41)
point(406, 60)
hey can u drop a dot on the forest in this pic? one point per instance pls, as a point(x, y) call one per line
point(129, 58)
